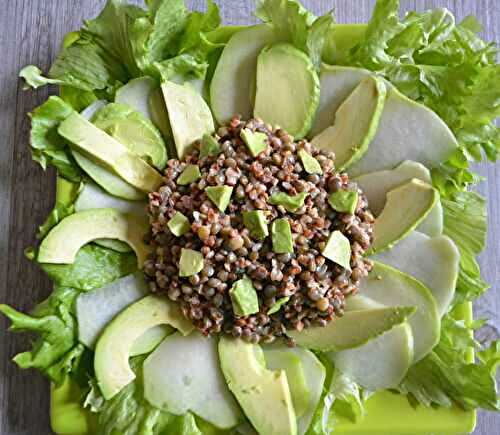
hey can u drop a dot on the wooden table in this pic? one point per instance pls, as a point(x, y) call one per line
point(31, 32)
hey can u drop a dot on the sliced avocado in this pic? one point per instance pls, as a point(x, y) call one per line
point(209, 146)
point(282, 236)
point(189, 115)
point(356, 123)
point(287, 90)
point(183, 374)
point(263, 394)
point(111, 360)
point(191, 262)
point(220, 196)
point(132, 129)
point(67, 237)
point(189, 175)
point(375, 186)
point(338, 249)
point(336, 83)
point(110, 182)
point(256, 222)
point(255, 141)
point(282, 359)
point(109, 152)
point(115, 245)
point(136, 93)
point(351, 330)
point(278, 304)
point(244, 297)
point(406, 207)
point(407, 131)
point(178, 224)
point(310, 164)
point(235, 73)
point(159, 116)
point(389, 286)
point(148, 341)
point(291, 203)
point(389, 357)
point(433, 261)
point(344, 201)
point(359, 302)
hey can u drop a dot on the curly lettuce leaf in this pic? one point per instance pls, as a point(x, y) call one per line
point(56, 352)
point(94, 267)
point(58, 213)
point(34, 78)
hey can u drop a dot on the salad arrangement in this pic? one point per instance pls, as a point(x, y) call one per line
point(258, 228)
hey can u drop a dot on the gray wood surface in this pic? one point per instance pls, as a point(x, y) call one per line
point(30, 33)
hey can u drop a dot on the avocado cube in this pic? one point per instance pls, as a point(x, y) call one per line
point(178, 224)
point(190, 263)
point(281, 234)
point(311, 165)
point(209, 146)
point(278, 304)
point(255, 141)
point(344, 201)
point(244, 297)
point(338, 249)
point(256, 222)
point(189, 175)
point(291, 203)
point(220, 196)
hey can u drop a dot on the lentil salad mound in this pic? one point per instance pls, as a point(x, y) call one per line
point(294, 288)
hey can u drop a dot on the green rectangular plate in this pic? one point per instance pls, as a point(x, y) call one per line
point(387, 413)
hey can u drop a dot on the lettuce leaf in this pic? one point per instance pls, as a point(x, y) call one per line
point(58, 213)
point(56, 352)
point(93, 267)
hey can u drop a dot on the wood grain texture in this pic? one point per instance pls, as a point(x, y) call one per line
point(31, 33)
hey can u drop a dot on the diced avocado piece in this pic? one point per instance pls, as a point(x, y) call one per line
point(430, 141)
point(375, 186)
point(310, 164)
point(356, 123)
point(291, 203)
point(278, 304)
point(351, 330)
point(191, 262)
point(220, 196)
point(281, 234)
point(255, 141)
point(109, 152)
point(148, 341)
point(389, 286)
point(281, 359)
point(68, 236)
point(389, 357)
point(257, 389)
point(110, 182)
point(179, 224)
point(338, 249)
point(433, 261)
point(287, 90)
point(189, 175)
point(133, 130)
point(111, 360)
point(406, 207)
point(256, 222)
point(209, 146)
point(336, 83)
point(189, 115)
point(136, 93)
point(344, 201)
point(230, 89)
point(183, 374)
point(244, 297)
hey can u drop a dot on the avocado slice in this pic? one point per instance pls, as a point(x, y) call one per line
point(287, 90)
point(109, 152)
point(150, 340)
point(390, 286)
point(338, 249)
point(433, 261)
point(132, 129)
point(406, 207)
point(244, 297)
point(282, 359)
point(282, 236)
point(189, 115)
point(375, 186)
point(230, 89)
point(67, 237)
point(111, 360)
point(136, 94)
point(159, 116)
point(256, 222)
point(389, 356)
point(353, 329)
point(336, 83)
point(183, 374)
point(257, 389)
point(407, 131)
point(356, 123)
point(220, 196)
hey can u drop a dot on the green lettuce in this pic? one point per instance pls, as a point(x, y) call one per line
point(58, 213)
point(94, 267)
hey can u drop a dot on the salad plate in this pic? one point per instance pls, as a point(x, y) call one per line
point(264, 229)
